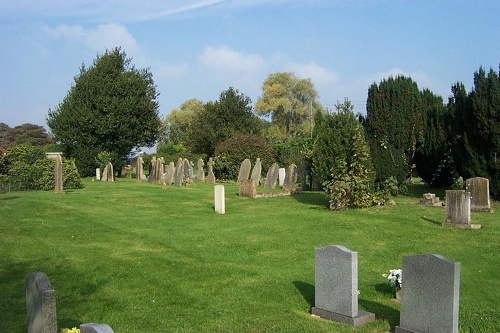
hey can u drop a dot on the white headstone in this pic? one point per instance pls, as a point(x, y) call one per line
point(220, 200)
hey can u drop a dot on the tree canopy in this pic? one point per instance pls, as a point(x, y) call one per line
point(112, 107)
point(177, 122)
point(25, 133)
point(291, 103)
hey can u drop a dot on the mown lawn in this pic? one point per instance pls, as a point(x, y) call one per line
point(145, 259)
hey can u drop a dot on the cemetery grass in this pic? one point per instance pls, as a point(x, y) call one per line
point(145, 259)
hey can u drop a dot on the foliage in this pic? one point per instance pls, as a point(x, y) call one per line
point(290, 102)
point(475, 128)
point(394, 126)
point(433, 156)
point(26, 167)
point(3, 130)
point(176, 124)
point(72, 330)
point(351, 178)
point(25, 133)
point(230, 115)
point(230, 153)
point(112, 107)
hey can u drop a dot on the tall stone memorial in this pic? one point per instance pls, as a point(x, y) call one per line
point(479, 189)
point(179, 172)
point(458, 210)
point(58, 174)
point(336, 286)
point(430, 300)
point(40, 304)
point(210, 176)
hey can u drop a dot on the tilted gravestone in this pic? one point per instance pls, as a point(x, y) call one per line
point(281, 176)
point(458, 210)
point(479, 189)
point(200, 175)
point(95, 328)
point(219, 199)
point(58, 174)
point(40, 304)
point(290, 182)
point(336, 286)
point(272, 176)
point(256, 171)
point(210, 175)
point(430, 295)
point(244, 173)
point(179, 172)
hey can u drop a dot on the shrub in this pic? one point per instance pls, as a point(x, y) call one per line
point(230, 153)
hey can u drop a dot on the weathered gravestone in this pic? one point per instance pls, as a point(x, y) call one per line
point(168, 178)
point(152, 170)
point(430, 199)
point(188, 170)
point(430, 295)
point(110, 173)
point(244, 173)
point(104, 177)
point(200, 176)
point(290, 182)
point(179, 172)
point(458, 210)
point(272, 176)
point(139, 169)
point(97, 174)
point(256, 171)
point(95, 328)
point(41, 304)
point(210, 175)
point(479, 189)
point(336, 286)
point(58, 174)
point(281, 176)
point(220, 200)
point(247, 188)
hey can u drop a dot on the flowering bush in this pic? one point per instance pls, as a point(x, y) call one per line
point(395, 277)
point(72, 330)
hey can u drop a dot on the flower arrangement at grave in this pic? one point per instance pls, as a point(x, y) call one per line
point(395, 278)
point(72, 330)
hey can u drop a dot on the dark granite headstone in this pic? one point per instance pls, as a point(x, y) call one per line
point(95, 328)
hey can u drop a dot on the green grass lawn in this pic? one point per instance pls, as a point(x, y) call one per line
point(145, 259)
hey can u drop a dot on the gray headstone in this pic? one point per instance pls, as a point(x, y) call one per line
point(188, 173)
point(479, 189)
point(244, 173)
point(58, 174)
point(336, 286)
point(139, 169)
point(220, 200)
point(210, 175)
point(256, 172)
point(458, 210)
point(430, 300)
point(110, 175)
point(95, 328)
point(179, 172)
point(104, 177)
point(290, 182)
point(169, 174)
point(152, 173)
point(200, 176)
point(247, 188)
point(272, 176)
point(41, 304)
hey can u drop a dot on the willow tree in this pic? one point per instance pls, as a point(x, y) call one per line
point(291, 103)
point(111, 107)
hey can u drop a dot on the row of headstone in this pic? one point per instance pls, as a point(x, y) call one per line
point(430, 295)
point(248, 182)
point(41, 307)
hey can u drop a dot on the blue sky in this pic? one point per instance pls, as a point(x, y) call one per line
point(199, 48)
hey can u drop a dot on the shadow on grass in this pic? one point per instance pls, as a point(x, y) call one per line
point(318, 199)
point(12, 197)
point(307, 291)
point(432, 221)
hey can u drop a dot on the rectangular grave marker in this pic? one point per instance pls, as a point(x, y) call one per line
point(458, 210)
point(479, 189)
point(220, 200)
point(41, 304)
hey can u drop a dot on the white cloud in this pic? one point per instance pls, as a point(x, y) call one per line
point(223, 58)
point(320, 76)
point(422, 79)
point(105, 36)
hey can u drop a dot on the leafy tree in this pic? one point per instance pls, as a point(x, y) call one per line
point(34, 134)
point(433, 156)
point(177, 123)
point(475, 129)
point(341, 159)
point(111, 107)
point(3, 130)
point(394, 126)
point(231, 114)
point(230, 153)
point(291, 103)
